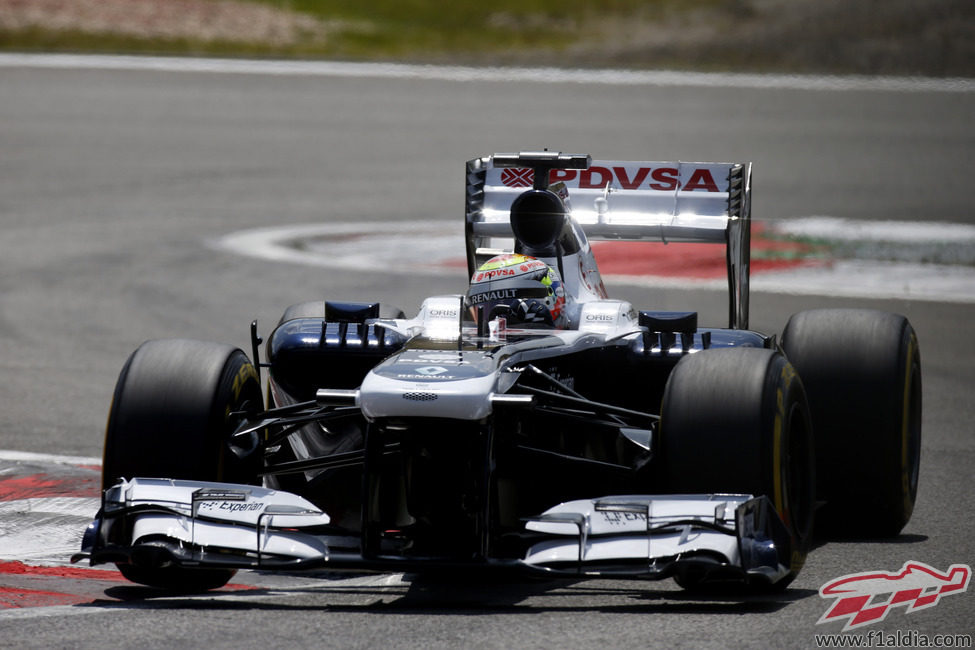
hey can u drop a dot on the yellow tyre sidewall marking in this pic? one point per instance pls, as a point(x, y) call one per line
point(905, 426)
point(780, 491)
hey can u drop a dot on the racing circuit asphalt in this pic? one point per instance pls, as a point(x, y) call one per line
point(112, 182)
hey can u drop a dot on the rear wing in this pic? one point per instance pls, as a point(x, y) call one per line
point(619, 200)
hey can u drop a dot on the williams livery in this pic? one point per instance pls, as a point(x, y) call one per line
point(528, 425)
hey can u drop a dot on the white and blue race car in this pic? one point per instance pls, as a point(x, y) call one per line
point(529, 425)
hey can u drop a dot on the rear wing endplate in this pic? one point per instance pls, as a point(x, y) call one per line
point(620, 200)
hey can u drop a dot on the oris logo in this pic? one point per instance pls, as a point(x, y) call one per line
point(663, 179)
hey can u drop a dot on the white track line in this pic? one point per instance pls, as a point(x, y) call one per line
point(31, 457)
point(468, 73)
point(50, 611)
point(903, 232)
point(421, 246)
point(44, 530)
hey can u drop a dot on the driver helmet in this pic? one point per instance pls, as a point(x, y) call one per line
point(523, 289)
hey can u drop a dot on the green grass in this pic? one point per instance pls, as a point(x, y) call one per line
point(806, 36)
point(470, 30)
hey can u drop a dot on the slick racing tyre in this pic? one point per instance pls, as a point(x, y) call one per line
point(862, 373)
point(171, 417)
point(736, 421)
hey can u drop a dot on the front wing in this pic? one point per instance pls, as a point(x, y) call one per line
point(156, 523)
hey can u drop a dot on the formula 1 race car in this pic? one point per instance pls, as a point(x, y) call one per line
point(530, 425)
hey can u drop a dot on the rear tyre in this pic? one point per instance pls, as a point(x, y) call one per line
point(736, 421)
point(171, 417)
point(862, 373)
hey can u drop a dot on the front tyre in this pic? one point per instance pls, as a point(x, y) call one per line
point(862, 372)
point(736, 421)
point(172, 417)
